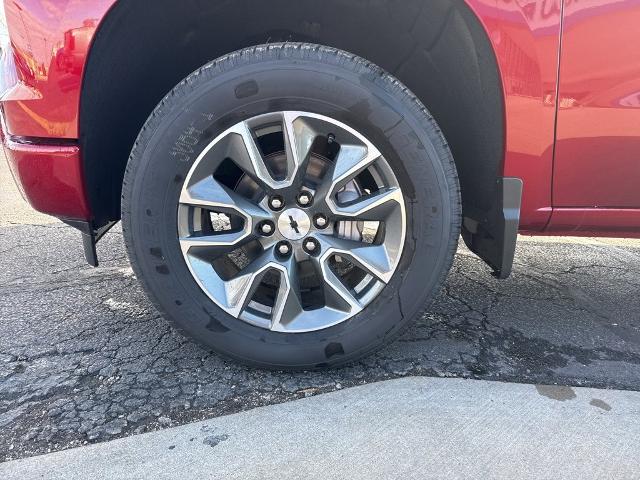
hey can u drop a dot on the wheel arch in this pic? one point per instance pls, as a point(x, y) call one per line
point(438, 48)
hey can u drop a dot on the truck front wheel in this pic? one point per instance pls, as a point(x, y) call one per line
point(291, 206)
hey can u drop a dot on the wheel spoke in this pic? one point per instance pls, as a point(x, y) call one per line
point(246, 154)
point(298, 139)
point(373, 259)
point(351, 160)
point(374, 207)
point(288, 304)
point(213, 246)
point(336, 293)
point(242, 287)
point(209, 194)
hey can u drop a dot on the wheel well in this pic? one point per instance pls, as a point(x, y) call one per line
point(436, 47)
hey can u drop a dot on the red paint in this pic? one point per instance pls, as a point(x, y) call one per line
point(597, 162)
point(50, 40)
point(596, 222)
point(50, 178)
point(598, 119)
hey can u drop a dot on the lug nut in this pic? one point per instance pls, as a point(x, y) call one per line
point(311, 246)
point(276, 203)
point(266, 228)
point(320, 221)
point(284, 248)
point(305, 199)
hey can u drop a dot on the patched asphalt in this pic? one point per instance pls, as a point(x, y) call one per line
point(84, 357)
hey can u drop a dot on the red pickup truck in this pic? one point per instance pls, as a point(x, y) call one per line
point(293, 176)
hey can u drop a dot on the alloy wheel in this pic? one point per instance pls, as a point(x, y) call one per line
point(291, 221)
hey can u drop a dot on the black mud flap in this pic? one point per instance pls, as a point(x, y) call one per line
point(494, 238)
point(90, 236)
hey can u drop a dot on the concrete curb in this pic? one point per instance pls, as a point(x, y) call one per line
point(407, 428)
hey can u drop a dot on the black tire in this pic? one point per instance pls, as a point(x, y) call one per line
point(303, 77)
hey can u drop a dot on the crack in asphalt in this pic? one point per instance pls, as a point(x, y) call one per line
point(84, 357)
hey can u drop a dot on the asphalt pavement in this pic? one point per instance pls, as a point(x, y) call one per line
point(85, 358)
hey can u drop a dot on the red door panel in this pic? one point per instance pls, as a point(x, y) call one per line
point(597, 158)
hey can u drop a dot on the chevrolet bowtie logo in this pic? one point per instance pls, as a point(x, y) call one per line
point(293, 224)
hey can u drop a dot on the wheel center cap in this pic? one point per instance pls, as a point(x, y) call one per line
point(294, 224)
